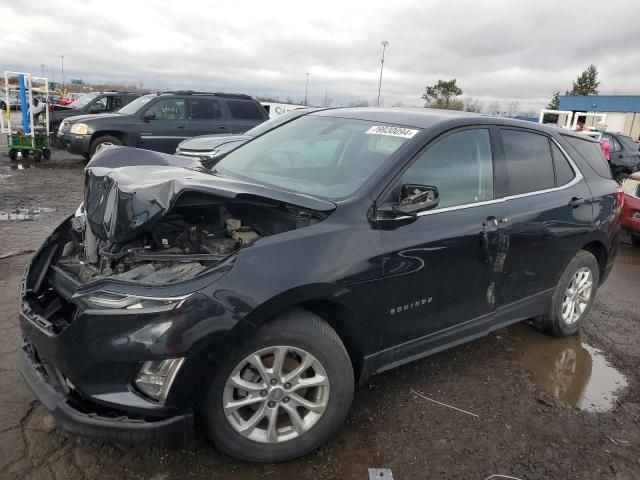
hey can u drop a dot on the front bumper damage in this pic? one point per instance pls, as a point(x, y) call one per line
point(77, 416)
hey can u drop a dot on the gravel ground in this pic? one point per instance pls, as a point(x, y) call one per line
point(519, 429)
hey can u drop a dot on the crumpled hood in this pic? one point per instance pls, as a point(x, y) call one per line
point(121, 203)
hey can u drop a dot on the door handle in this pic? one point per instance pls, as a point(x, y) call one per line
point(222, 128)
point(493, 223)
point(181, 126)
point(576, 202)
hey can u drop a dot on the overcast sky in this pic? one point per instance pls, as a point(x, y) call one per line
point(501, 50)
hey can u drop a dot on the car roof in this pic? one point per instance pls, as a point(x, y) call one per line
point(425, 118)
point(415, 117)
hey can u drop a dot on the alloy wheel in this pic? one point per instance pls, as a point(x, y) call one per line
point(577, 296)
point(276, 394)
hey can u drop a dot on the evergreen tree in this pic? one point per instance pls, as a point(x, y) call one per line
point(554, 104)
point(587, 82)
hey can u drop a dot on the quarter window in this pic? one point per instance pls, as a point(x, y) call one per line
point(592, 153)
point(460, 166)
point(564, 172)
point(169, 109)
point(528, 162)
point(205, 109)
point(246, 110)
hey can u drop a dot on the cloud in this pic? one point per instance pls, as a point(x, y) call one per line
point(501, 50)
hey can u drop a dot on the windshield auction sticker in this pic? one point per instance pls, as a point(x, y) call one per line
point(392, 131)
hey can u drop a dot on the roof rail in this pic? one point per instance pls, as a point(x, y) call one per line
point(241, 96)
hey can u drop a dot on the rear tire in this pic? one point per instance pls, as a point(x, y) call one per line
point(37, 155)
point(299, 337)
point(46, 152)
point(573, 296)
point(102, 141)
point(13, 154)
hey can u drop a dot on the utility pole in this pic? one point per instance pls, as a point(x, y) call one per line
point(62, 60)
point(306, 89)
point(384, 47)
point(42, 65)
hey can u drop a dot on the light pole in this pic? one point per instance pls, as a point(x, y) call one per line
point(384, 47)
point(306, 89)
point(62, 63)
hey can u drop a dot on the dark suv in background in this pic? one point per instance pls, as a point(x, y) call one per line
point(91, 103)
point(161, 121)
point(624, 155)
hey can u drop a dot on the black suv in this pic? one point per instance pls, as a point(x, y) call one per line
point(160, 122)
point(91, 103)
point(624, 155)
point(250, 299)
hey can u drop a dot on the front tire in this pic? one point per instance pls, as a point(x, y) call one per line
point(573, 296)
point(282, 393)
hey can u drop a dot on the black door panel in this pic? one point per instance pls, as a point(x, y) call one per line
point(442, 270)
point(549, 211)
point(443, 267)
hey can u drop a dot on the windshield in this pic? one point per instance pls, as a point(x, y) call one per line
point(83, 100)
point(277, 121)
point(322, 156)
point(136, 105)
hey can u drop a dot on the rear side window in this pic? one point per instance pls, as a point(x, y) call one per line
point(205, 109)
point(116, 103)
point(564, 172)
point(528, 162)
point(592, 153)
point(245, 110)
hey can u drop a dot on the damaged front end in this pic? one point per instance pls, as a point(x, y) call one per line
point(154, 226)
point(111, 302)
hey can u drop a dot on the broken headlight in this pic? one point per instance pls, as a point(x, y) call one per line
point(110, 300)
point(155, 377)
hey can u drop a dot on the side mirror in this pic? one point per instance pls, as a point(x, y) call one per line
point(417, 198)
point(148, 115)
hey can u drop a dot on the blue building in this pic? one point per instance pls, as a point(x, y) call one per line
point(623, 111)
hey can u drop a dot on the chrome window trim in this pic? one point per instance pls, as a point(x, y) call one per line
point(578, 177)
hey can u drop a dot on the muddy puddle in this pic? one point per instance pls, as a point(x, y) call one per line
point(569, 369)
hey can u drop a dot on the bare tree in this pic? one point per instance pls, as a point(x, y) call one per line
point(494, 108)
point(359, 103)
point(472, 105)
point(512, 109)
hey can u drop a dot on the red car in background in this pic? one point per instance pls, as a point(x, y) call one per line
point(631, 208)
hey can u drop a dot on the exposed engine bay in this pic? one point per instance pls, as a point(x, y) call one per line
point(195, 235)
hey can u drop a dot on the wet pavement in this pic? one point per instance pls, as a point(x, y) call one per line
point(542, 408)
